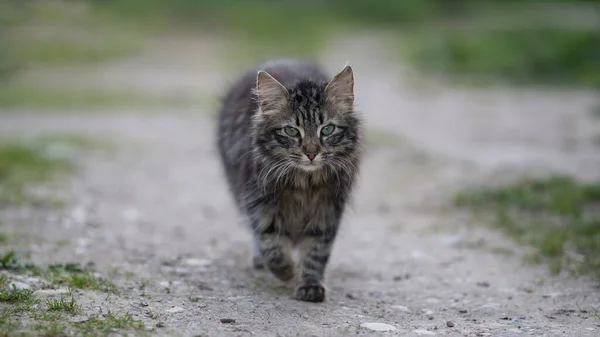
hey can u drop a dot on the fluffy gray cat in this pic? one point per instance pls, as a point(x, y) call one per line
point(289, 139)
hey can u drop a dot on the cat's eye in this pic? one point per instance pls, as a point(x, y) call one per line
point(290, 131)
point(327, 130)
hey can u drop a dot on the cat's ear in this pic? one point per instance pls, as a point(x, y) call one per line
point(272, 96)
point(340, 90)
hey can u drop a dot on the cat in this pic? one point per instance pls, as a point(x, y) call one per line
point(289, 139)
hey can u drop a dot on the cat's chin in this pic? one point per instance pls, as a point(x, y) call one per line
point(310, 167)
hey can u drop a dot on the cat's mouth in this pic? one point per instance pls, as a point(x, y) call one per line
point(310, 166)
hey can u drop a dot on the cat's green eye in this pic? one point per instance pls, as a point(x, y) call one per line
point(290, 131)
point(327, 130)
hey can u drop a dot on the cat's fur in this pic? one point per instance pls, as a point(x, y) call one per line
point(292, 189)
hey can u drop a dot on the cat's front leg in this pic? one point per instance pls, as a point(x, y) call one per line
point(273, 250)
point(317, 249)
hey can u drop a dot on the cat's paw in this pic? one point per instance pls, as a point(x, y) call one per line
point(283, 272)
point(314, 292)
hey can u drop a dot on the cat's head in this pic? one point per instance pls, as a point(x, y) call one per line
point(310, 126)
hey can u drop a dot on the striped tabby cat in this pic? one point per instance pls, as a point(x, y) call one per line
point(289, 139)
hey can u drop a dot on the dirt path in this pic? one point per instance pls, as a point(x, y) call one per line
point(159, 209)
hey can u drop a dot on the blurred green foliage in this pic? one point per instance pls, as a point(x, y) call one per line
point(514, 52)
point(545, 55)
point(559, 216)
point(549, 56)
point(23, 164)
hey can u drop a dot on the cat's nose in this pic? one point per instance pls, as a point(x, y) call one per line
point(311, 155)
point(311, 151)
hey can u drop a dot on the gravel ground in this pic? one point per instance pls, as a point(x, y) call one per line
point(158, 215)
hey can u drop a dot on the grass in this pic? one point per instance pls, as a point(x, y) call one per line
point(558, 216)
point(543, 55)
point(23, 164)
point(22, 314)
point(29, 163)
point(57, 32)
point(70, 275)
point(96, 326)
point(63, 305)
point(36, 96)
point(15, 295)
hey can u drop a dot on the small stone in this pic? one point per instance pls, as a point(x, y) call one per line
point(175, 310)
point(196, 262)
point(19, 286)
point(450, 324)
point(484, 284)
point(50, 292)
point(401, 308)
point(227, 320)
point(462, 311)
point(402, 277)
point(423, 332)
point(378, 326)
point(350, 296)
point(164, 284)
point(160, 325)
point(489, 308)
point(131, 214)
point(143, 304)
point(79, 214)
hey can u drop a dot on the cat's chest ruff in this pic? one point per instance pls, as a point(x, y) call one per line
point(301, 209)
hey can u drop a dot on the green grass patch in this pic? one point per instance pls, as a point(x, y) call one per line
point(97, 326)
point(60, 32)
point(71, 275)
point(382, 138)
point(24, 164)
point(26, 95)
point(14, 295)
point(62, 304)
point(559, 216)
point(545, 56)
point(29, 163)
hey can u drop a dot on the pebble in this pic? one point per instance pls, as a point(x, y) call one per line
point(401, 308)
point(197, 262)
point(227, 320)
point(489, 308)
point(450, 324)
point(160, 325)
point(50, 292)
point(175, 310)
point(378, 326)
point(423, 332)
point(19, 286)
point(131, 214)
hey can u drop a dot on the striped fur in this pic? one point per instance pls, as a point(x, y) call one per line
point(288, 199)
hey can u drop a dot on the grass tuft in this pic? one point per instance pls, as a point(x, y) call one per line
point(14, 295)
point(63, 305)
point(110, 324)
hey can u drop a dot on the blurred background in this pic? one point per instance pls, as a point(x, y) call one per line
point(456, 94)
point(496, 83)
point(526, 42)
